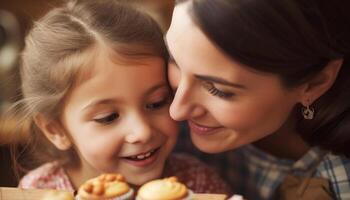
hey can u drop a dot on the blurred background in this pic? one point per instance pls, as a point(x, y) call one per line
point(16, 17)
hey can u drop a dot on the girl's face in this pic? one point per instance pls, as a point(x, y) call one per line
point(226, 104)
point(118, 118)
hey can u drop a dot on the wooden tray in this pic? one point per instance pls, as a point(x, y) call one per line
point(7, 193)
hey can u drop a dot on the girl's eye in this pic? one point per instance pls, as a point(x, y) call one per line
point(107, 119)
point(216, 92)
point(158, 104)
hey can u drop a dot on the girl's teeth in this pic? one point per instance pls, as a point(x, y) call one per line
point(143, 156)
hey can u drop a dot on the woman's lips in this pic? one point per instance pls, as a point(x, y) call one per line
point(202, 130)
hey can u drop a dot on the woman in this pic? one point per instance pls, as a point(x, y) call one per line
point(273, 74)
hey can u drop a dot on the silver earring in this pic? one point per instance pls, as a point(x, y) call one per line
point(308, 112)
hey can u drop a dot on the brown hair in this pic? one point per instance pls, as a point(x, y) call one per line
point(293, 39)
point(61, 43)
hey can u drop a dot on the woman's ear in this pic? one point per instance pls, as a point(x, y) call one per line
point(321, 83)
point(53, 131)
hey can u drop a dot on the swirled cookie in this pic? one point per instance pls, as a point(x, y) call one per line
point(105, 187)
point(163, 189)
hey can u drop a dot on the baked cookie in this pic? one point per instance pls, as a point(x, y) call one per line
point(105, 187)
point(164, 189)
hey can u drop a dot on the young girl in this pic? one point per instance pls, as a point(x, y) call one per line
point(94, 84)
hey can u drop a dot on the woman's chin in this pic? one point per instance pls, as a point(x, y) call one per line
point(208, 147)
point(214, 146)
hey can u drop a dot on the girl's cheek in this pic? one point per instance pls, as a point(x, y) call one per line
point(173, 132)
point(172, 128)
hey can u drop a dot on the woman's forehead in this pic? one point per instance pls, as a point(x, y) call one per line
point(181, 20)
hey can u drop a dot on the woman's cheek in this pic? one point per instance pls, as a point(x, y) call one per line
point(237, 118)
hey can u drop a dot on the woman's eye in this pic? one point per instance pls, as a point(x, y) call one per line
point(107, 119)
point(216, 92)
point(158, 104)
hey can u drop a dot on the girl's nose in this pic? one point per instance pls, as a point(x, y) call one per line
point(139, 130)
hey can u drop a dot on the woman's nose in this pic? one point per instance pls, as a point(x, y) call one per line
point(139, 130)
point(185, 105)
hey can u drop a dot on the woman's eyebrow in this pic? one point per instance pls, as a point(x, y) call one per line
point(219, 81)
point(204, 77)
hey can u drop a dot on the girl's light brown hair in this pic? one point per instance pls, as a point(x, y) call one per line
point(63, 42)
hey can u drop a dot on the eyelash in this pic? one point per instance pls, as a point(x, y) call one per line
point(216, 92)
point(159, 104)
point(107, 119)
point(114, 116)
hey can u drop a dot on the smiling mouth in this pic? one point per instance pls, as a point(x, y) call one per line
point(201, 129)
point(142, 156)
point(203, 126)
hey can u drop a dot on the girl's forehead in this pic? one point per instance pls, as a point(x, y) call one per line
point(110, 60)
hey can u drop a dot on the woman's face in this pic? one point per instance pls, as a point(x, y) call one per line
point(226, 104)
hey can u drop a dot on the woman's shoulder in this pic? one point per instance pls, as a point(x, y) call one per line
point(47, 176)
point(340, 165)
point(336, 169)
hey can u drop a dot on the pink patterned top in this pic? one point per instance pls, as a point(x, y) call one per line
point(195, 174)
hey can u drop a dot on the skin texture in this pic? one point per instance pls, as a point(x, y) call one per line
point(118, 108)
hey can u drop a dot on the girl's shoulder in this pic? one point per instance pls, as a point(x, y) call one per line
point(48, 176)
point(185, 159)
point(187, 163)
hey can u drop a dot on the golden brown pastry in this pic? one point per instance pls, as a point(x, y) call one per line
point(164, 189)
point(105, 187)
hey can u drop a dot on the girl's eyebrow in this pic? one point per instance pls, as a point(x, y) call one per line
point(100, 102)
point(107, 101)
point(155, 88)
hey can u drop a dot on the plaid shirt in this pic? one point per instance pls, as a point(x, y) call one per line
point(257, 175)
